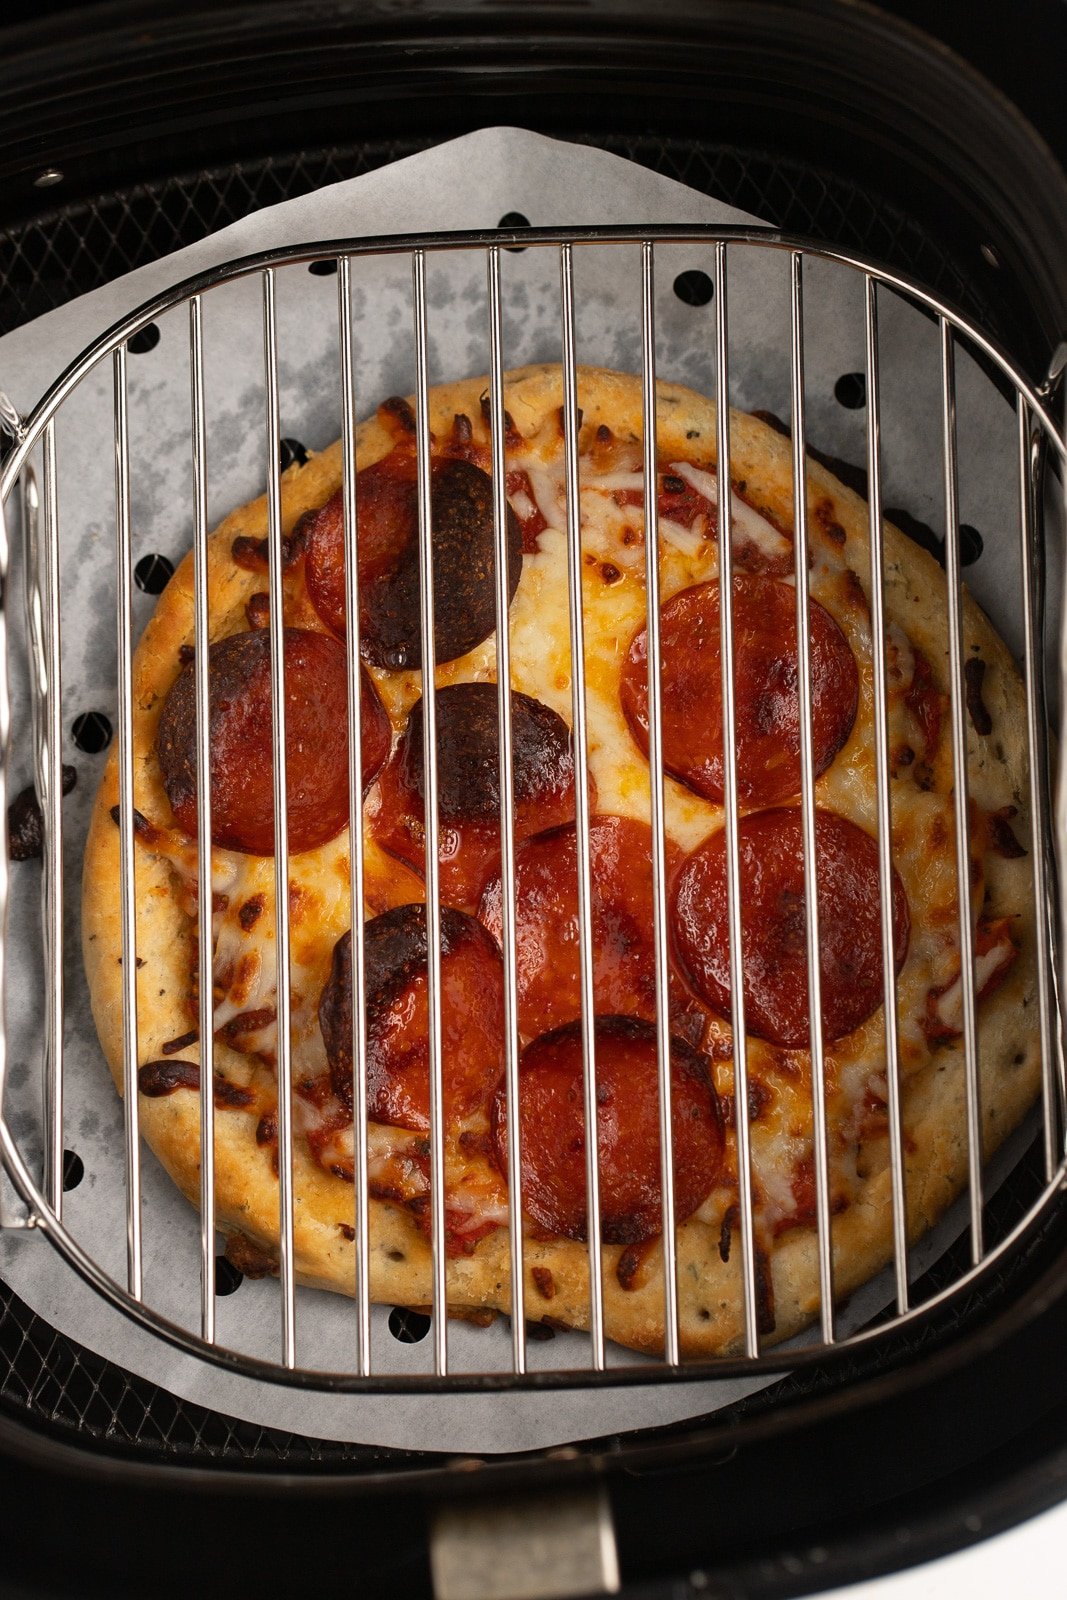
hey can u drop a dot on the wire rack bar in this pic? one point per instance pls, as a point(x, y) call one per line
point(729, 783)
point(8, 1219)
point(807, 804)
point(655, 780)
point(1057, 439)
point(127, 865)
point(882, 795)
point(957, 656)
point(205, 894)
point(571, 424)
point(1032, 576)
point(41, 682)
point(355, 820)
point(275, 566)
point(433, 880)
point(49, 773)
point(758, 238)
point(497, 428)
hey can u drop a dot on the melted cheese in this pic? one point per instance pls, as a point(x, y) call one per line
point(613, 599)
point(949, 1006)
point(746, 524)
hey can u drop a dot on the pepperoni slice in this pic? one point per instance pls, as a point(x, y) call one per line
point(552, 1130)
point(765, 692)
point(464, 545)
point(770, 847)
point(468, 785)
point(316, 741)
point(546, 931)
point(472, 1017)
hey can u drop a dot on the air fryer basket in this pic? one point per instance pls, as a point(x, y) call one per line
point(924, 203)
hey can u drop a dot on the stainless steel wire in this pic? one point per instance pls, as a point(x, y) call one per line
point(1036, 724)
point(655, 782)
point(50, 786)
point(42, 610)
point(275, 566)
point(204, 877)
point(433, 879)
point(957, 658)
point(30, 507)
point(1033, 424)
point(8, 1218)
point(498, 428)
point(127, 864)
point(807, 804)
point(883, 797)
point(580, 736)
point(350, 511)
point(746, 1219)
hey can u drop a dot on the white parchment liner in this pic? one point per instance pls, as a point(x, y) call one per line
point(471, 182)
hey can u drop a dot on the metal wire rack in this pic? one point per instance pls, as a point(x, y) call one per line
point(1037, 433)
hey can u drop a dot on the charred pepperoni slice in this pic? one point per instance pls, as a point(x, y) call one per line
point(468, 784)
point(316, 741)
point(546, 928)
point(472, 1017)
point(388, 543)
point(552, 1131)
point(765, 692)
point(770, 847)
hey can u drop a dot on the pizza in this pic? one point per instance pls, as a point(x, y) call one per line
point(617, 779)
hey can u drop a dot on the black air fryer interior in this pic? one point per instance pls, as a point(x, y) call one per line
point(831, 120)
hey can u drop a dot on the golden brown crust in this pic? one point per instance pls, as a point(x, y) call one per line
point(556, 1271)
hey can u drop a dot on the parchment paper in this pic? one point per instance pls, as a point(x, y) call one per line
point(471, 182)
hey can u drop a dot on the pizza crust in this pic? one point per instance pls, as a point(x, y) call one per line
point(710, 1320)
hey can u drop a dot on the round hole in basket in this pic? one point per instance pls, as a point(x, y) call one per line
point(152, 573)
point(227, 1277)
point(514, 219)
point(145, 339)
point(73, 1170)
point(971, 544)
point(323, 269)
point(407, 1326)
point(850, 390)
point(292, 450)
point(694, 287)
point(91, 732)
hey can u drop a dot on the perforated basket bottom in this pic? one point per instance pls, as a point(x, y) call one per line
point(68, 251)
point(49, 1379)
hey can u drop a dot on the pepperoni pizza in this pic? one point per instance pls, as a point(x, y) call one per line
point(552, 1134)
